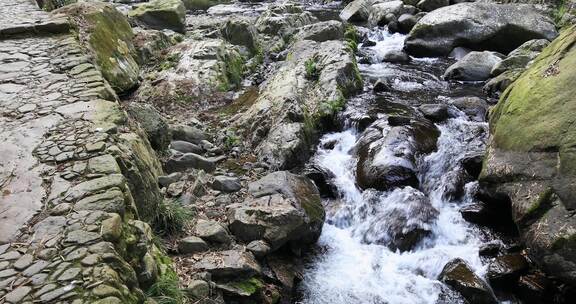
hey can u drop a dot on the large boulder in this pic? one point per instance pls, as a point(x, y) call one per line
point(108, 35)
point(283, 208)
point(458, 275)
point(155, 126)
point(386, 154)
point(430, 5)
point(161, 14)
point(475, 66)
point(497, 27)
point(194, 71)
point(531, 156)
point(357, 11)
point(322, 31)
point(241, 32)
point(283, 21)
point(309, 87)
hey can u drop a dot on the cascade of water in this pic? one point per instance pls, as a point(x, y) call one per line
point(357, 266)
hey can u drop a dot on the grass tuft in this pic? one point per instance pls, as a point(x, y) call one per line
point(171, 218)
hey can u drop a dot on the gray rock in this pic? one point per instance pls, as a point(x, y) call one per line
point(18, 294)
point(458, 275)
point(153, 123)
point(226, 184)
point(241, 32)
point(161, 14)
point(259, 248)
point(185, 147)
point(356, 11)
point(212, 231)
point(520, 57)
point(386, 12)
point(285, 208)
point(23, 262)
point(434, 112)
point(191, 245)
point(430, 5)
point(475, 107)
point(476, 66)
point(229, 264)
point(188, 133)
point(406, 22)
point(190, 160)
point(198, 289)
point(322, 31)
point(490, 26)
point(166, 180)
point(396, 57)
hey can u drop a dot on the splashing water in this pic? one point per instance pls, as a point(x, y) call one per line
point(356, 268)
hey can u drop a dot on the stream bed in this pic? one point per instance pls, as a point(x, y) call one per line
point(360, 260)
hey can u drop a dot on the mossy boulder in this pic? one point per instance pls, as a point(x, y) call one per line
point(108, 35)
point(161, 14)
point(292, 106)
point(484, 26)
point(531, 157)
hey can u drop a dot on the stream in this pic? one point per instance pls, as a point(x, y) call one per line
point(356, 264)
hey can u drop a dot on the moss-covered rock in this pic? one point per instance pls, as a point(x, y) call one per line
point(161, 14)
point(532, 155)
point(292, 107)
point(108, 35)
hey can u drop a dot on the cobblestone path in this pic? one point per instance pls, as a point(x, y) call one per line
point(63, 199)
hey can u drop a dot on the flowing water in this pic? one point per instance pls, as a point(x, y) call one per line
point(356, 266)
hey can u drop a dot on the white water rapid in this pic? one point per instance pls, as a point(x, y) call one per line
point(353, 269)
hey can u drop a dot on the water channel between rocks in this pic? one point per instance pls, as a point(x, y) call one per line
point(356, 265)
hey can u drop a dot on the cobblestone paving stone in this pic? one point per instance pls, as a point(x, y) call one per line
point(63, 199)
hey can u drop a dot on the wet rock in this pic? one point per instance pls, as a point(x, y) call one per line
point(459, 52)
point(285, 208)
point(226, 184)
point(229, 264)
point(458, 275)
point(322, 31)
point(489, 26)
point(533, 288)
point(161, 14)
point(489, 249)
point(505, 270)
point(155, 126)
point(403, 220)
point(212, 231)
point(322, 178)
point(475, 107)
point(475, 66)
point(472, 163)
point(434, 112)
point(188, 133)
point(190, 160)
point(430, 5)
point(185, 147)
point(406, 22)
point(381, 86)
point(396, 57)
point(454, 188)
point(476, 213)
point(386, 155)
point(191, 245)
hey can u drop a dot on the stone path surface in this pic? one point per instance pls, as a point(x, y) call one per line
point(63, 199)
